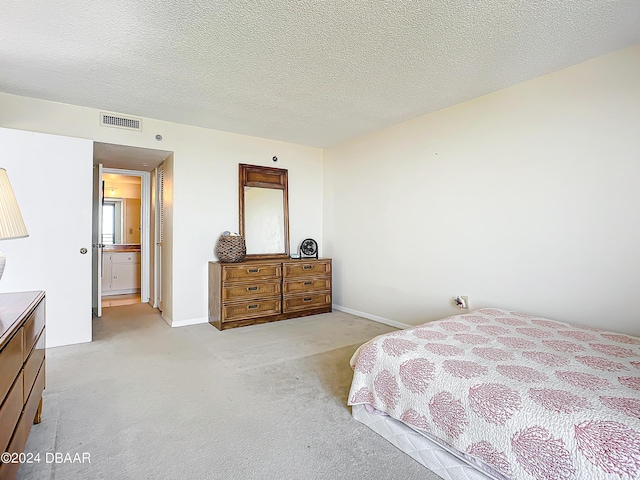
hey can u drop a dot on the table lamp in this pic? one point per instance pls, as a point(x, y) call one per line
point(11, 223)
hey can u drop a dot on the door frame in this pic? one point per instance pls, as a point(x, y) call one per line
point(145, 225)
point(158, 238)
point(96, 238)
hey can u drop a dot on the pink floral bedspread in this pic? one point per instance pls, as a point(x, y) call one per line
point(528, 396)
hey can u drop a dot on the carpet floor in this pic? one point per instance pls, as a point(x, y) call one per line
point(146, 401)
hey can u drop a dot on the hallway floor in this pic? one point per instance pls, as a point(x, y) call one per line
point(120, 300)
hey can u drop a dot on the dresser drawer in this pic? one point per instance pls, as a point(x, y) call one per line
point(11, 362)
point(251, 309)
point(10, 412)
point(302, 268)
point(251, 290)
point(24, 313)
point(32, 328)
point(24, 425)
point(32, 366)
point(306, 302)
point(237, 273)
point(261, 291)
point(306, 285)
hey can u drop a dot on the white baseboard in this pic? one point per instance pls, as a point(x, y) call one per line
point(189, 321)
point(375, 318)
point(168, 320)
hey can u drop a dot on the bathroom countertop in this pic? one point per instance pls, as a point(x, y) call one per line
point(121, 248)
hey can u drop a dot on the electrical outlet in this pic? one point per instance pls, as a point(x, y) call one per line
point(461, 302)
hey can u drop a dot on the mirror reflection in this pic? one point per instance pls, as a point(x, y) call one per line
point(264, 220)
point(121, 209)
point(264, 211)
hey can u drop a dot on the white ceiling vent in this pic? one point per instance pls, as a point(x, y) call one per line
point(120, 121)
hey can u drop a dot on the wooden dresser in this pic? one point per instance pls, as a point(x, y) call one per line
point(263, 291)
point(22, 371)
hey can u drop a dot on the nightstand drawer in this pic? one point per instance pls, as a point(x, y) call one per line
point(251, 290)
point(306, 285)
point(305, 302)
point(302, 268)
point(250, 309)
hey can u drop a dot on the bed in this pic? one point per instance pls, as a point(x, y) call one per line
point(504, 395)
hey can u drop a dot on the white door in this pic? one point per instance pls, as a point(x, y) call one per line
point(96, 237)
point(51, 177)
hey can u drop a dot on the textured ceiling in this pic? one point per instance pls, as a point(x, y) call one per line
point(128, 158)
point(306, 71)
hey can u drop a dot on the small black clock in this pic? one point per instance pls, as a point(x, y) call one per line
point(309, 248)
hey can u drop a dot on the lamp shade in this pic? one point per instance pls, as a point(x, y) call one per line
point(11, 223)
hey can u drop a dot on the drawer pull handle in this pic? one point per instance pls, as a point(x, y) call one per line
point(252, 289)
point(254, 270)
point(308, 299)
point(307, 267)
point(308, 283)
point(251, 307)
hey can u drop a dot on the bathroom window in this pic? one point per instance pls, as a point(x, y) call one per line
point(112, 221)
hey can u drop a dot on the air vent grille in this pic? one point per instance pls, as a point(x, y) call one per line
point(120, 121)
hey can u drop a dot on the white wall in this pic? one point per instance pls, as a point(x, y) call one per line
point(52, 179)
point(205, 189)
point(526, 198)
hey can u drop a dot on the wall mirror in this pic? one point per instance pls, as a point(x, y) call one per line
point(121, 209)
point(264, 211)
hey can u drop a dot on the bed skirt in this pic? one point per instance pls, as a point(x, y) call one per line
point(435, 457)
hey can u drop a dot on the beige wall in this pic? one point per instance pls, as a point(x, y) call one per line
point(131, 220)
point(204, 189)
point(526, 198)
point(122, 190)
point(166, 241)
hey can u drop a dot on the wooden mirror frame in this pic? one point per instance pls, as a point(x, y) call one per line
point(264, 177)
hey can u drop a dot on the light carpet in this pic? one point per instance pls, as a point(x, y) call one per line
point(147, 401)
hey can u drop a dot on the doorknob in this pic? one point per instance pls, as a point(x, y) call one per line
point(83, 250)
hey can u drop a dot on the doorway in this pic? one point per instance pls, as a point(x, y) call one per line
point(123, 267)
point(122, 224)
